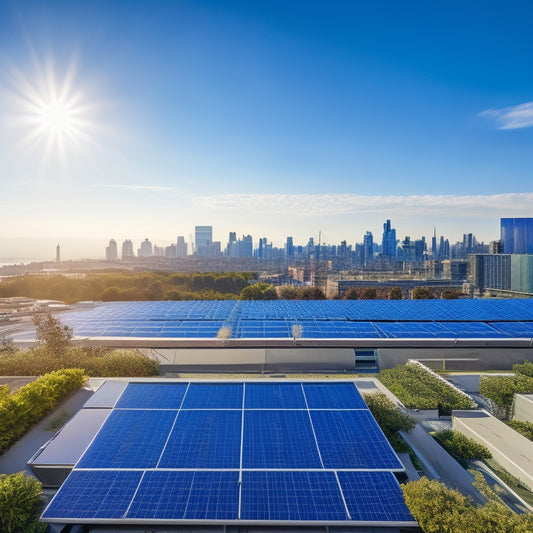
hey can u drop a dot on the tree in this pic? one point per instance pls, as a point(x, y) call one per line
point(395, 293)
point(389, 416)
point(288, 292)
point(351, 294)
point(51, 334)
point(312, 293)
point(369, 294)
point(451, 294)
point(259, 291)
point(422, 293)
point(20, 504)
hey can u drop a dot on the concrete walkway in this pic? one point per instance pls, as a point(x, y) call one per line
point(440, 465)
point(14, 459)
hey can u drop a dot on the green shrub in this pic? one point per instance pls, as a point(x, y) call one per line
point(20, 504)
point(524, 428)
point(525, 369)
point(23, 409)
point(460, 446)
point(388, 416)
point(501, 390)
point(417, 388)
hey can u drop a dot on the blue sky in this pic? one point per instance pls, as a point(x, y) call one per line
point(272, 118)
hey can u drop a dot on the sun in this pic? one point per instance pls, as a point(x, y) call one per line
point(53, 113)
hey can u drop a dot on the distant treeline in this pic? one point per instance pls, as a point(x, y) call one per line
point(128, 286)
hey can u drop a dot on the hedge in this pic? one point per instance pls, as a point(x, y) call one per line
point(417, 388)
point(26, 407)
point(460, 446)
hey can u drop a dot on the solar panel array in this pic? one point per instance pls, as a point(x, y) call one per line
point(241, 452)
point(369, 319)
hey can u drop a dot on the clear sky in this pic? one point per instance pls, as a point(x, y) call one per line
point(129, 119)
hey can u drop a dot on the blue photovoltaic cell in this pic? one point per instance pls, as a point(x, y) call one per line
point(187, 496)
point(374, 496)
point(352, 439)
point(213, 396)
point(152, 396)
point(204, 439)
point(129, 439)
point(279, 439)
point(333, 396)
point(291, 496)
point(94, 494)
point(274, 396)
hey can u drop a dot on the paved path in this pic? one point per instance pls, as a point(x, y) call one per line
point(14, 460)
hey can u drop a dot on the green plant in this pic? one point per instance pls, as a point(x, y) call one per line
point(460, 446)
point(20, 504)
point(388, 416)
point(524, 428)
point(501, 390)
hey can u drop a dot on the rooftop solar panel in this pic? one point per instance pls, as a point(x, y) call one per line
point(274, 396)
point(333, 396)
point(214, 396)
point(152, 396)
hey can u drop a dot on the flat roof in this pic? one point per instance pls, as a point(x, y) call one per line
point(244, 452)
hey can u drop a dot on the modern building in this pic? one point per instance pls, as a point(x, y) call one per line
point(203, 237)
point(517, 235)
point(389, 242)
point(146, 249)
point(111, 251)
point(368, 249)
point(491, 271)
point(181, 247)
point(522, 273)
point(127, 249)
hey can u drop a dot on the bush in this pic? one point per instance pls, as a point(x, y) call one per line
point(395, 293)
point(20, 504)
point(417, 388)
point(524, 428)
point(388, 416)
point(525, 369)
point(259, 291)
point(97, 362)
point(460, 446)
point(422, 293)
point(500, 390)
point(439, 509)
point(23, 409)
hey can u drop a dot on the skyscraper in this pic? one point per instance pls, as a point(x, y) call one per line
point(517, 235)
point(368, 248)
point(58, 254)
point(181, 247)
point(146, 249)
point(111, 252)
point(389, 241)
point(127, 249)
point(203, 236)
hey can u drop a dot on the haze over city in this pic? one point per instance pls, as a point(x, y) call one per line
point(137, 119)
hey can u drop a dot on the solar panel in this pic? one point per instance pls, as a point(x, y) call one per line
point(352, 439)
point(204, 439)
point(187, 495)
point(277, 451)
point(279, 439)
point(94, 494)
point(129, 439)
point(295, 496)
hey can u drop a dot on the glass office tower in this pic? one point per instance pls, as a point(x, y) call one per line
point(517, 235)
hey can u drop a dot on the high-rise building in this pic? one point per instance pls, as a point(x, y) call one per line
point(368, 248)
point(146, 249)
point(289, 249)
point(491, 271)
point(181, 247)
point(111, 251)
point(203, 237)
point(58, 254)
point(389, 242)
point(127, 249)
point(517, 235)
point(522, 273)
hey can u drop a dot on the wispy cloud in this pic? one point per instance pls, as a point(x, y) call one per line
point(309, 205)
point(511, 118)
point(153, 188)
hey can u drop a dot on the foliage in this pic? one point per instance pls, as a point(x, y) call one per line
point(500, 390)
point(526, 369)
point(97, 362)
point(20, 504)
point(451, 294)
point(417, 388)
point(422, 293)
point(369, 294)
point(439, 509)
point(259, 291)
point(524, 428)
point(21, 410)
point(388, 416)
point(54, 336)
point(128, 286)
point(351, 294)
point(395, 293)
point(288, 292)
point(460, 446)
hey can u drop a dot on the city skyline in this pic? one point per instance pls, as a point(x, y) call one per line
point(259, 117)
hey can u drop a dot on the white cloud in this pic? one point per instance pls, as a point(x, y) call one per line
point(309, 205)
point(512, 118)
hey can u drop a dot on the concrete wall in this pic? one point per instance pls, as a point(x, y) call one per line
point(510, 449)
point(523, 407)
